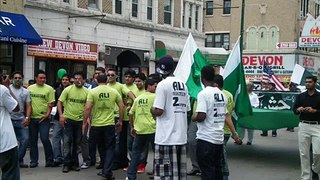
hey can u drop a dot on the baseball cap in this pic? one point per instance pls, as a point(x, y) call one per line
point(165, 65)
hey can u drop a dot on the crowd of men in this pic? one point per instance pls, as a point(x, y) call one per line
point(114, 121)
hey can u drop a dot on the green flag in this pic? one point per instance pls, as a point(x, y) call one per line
point(234, 82)
point(189, 67)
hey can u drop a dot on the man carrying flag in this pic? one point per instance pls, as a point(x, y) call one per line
point(268, 76)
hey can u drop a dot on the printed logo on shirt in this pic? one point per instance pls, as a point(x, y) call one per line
point(42, 96)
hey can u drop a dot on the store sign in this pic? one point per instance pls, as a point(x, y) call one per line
point(310, 36)
point(53, 48)
point(310, 63)
point(280, 64)
point(258, 77)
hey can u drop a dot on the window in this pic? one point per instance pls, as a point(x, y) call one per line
point(209, 7)
point(118, 6)
point(316, 10)
point(167, 11)
point(304, 8)
point(66, 1)
point(252, 39)
point(196, 23)
point(226, 6)
point(149, 10)
point(273, 38)
point(262, 39)
point(183, 13)
point(218, 40)
point(190, 17)
point(93, 4)
point(134, 8)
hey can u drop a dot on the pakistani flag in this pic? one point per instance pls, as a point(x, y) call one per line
point(299, 75)
point(234, 82)
point(189, 66)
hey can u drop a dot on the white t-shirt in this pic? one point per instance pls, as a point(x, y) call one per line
point(172, 97)
point(212, 102)
point(8, 138)
point(23, 97)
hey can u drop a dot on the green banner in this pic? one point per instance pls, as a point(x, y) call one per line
point(274, 112)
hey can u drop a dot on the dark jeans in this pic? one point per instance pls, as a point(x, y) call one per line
point(43, 128)
point(104, 137)
point(56, 141)
point(85, 150)
point(71, 137)
point(209, 159)
point(9, 164)
point(122, 149)
point(22, 134)
point(140, 143)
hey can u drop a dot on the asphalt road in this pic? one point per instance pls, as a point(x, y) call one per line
point(269, 158)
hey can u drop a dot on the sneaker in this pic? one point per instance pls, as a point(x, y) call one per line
point(23, 165)
point(65, 169)
point(141, 168)
point(84, 166)
point(105, 176)
point(274, 135)
point(126, 168)
point(33, 165)
point(193, 172)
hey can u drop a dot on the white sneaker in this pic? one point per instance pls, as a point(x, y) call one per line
point(127, 178)
point(84, 166)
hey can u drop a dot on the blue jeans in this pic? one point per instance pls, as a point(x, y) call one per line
point(43, 128)
point(122, 146)
point(140, 143)
point(22, 134)
point(56, 141)
point(72, 138)
point(104, 137)
point(9, 164)
point(209, 159)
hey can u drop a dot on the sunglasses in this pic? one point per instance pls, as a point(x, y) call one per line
point(111, 75)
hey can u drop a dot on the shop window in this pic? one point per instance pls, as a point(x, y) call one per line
point(304, 8)
point(167, 11)
point(183, 13)
point(209, 7)
point(190, 16)
point(218, 40)
point(252, 39)
point(149, 10)
point(93, 4)
point(226, 6)
point(196, 23)
point(134, 12)
point(316, 10)
point(118, 7)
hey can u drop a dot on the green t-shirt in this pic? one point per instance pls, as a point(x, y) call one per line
point(122, 90)
point(133, 88)
point(74, 99)
point(143, 120)
point(139, 92)
point(104, 100)
point(40, 96)
point(230, 107)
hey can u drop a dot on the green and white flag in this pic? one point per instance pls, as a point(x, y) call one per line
point(189, 66)
point(299, 75)
point(234, 82)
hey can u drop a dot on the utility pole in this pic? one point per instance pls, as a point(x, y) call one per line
point(242, 27)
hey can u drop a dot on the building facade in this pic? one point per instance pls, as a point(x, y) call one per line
point(79, 35)
point(271, 33)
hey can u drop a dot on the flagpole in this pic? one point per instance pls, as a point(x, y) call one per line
point(242, 27)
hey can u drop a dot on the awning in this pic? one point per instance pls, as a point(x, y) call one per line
point(15, 28)
point(214, 56)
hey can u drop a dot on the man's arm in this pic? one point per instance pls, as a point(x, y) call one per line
point(121, 114)
point(199, 117)
point(62, 120)
point(86, 115)
point(235, 135)
point(156, 111)
point(47, 115)
point(131, 95)
point(26, 121)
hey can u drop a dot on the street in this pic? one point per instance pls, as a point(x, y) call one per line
point(269, 158)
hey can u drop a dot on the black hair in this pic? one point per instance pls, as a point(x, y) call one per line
point(66, 75)
point(79, 73)
point(156, 77)
point(103, 70)
point(150, 82)
point(207, 73)
point(141, 76)
point(102, 78)
point(273, 85)
point(40, 72)
point(218, 79)
point(313, 78)
point(31, 81)
point(111, 69)
point(130, 72)
point(16, 72)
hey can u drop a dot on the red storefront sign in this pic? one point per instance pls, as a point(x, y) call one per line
point(53, 48)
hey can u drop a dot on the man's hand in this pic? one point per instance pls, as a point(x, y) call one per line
point(119, 126)
point(237, 139)
point(300, 109)
point(310, 109)
point(43, 118)
point(26, 122)
point(62, 121)
point(6, 81)
point(133, 132)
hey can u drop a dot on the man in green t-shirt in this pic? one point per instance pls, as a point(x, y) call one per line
point(143, 126)
point(42, 100)
point(70, 107)
point(121, 161)
point(100, 103)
